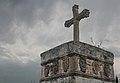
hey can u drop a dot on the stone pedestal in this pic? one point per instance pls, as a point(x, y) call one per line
point(77, 62)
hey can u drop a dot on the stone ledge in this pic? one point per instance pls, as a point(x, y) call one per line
point(78, 48)
point(77, 73)
point(87, 57)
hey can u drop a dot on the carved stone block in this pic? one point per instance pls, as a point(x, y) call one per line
point(107, 70)
point(82, 63)
point(96, 67)
point(65, 63)
point(46, 70)
point(54, 67)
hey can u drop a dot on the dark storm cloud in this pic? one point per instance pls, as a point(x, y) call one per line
point(1, 51)
point(24, 12)
point(12, 72)
point(7, 17)
point(21, 12)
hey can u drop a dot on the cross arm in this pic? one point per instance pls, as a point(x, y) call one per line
point(68, 23)
point(84, 14)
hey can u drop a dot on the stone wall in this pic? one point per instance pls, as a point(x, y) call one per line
point(79, 61)
point(75, 79)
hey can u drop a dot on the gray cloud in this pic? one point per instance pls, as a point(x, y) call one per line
point(115, 50)
point(21, 12)
point(103, 14)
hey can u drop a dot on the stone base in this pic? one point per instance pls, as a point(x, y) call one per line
point(76, 79)
point(77, 62)
point(86, 80)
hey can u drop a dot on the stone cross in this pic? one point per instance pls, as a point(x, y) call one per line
point(75, 20)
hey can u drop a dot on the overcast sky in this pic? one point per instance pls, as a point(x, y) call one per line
point(30, 27)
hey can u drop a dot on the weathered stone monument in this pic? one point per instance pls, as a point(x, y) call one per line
point(77, 62)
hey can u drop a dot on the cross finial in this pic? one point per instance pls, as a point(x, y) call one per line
point(75, 20)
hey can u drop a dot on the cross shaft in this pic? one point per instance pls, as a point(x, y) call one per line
point(75, 20)
point(75, 23)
